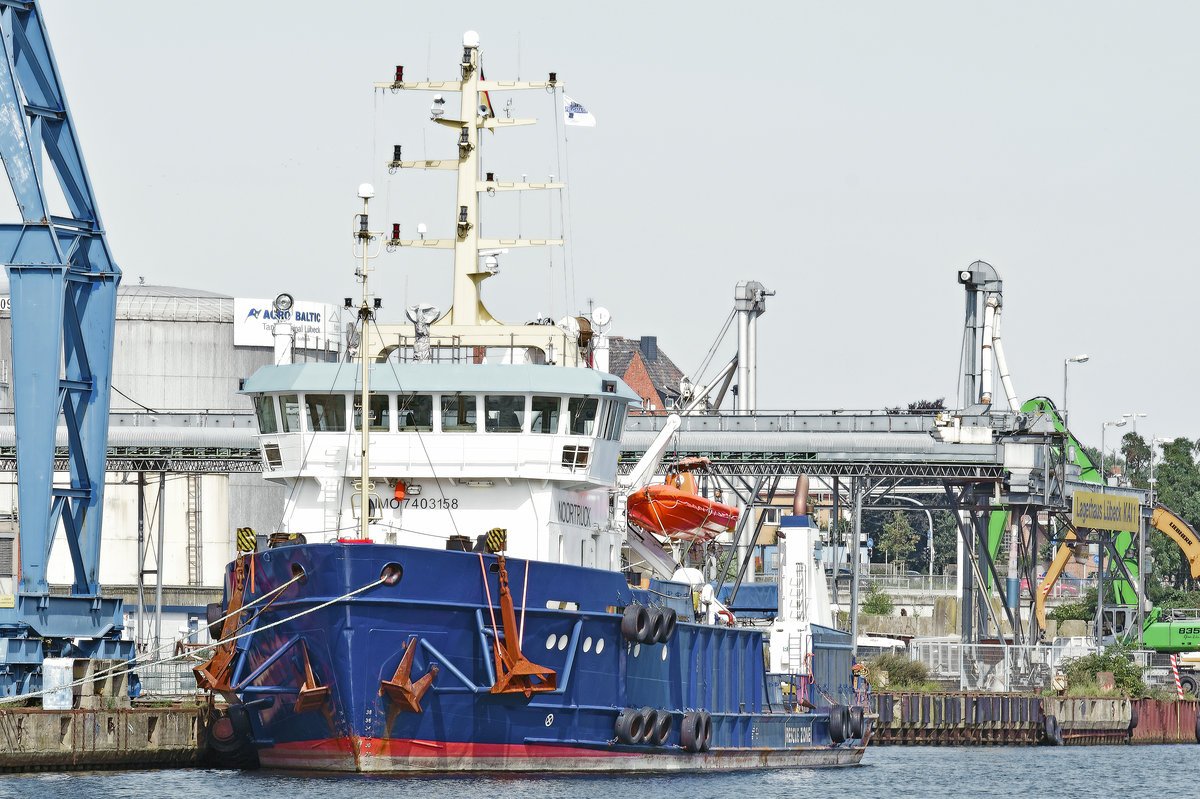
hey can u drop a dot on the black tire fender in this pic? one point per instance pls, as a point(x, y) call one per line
point(630, 726)
point(634, 622)
point(856, 723)
point(649, 724)
point(691, 731)
point(662, 728)
point(1052, 732)
point(839, 723)
point(708, 731)
point(670, 619)
point(654, 626)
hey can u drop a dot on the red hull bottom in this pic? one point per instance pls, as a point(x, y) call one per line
point(377, 755)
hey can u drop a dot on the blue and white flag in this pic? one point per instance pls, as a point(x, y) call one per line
point(575, 114)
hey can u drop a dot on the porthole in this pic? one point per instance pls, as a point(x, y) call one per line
point(664, 654)
point(587, 644)
point(599, 645)
point(391, 573)
point(562, 642)
point(551, 641)
point(637, 650)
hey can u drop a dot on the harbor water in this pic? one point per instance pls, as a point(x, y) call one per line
point(1068, 772)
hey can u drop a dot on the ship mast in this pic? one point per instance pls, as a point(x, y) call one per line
point(474, 115)
point(363, 238)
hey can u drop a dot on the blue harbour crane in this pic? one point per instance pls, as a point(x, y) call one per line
point(63, 285)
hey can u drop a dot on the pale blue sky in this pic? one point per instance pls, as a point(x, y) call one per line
point(850, 156)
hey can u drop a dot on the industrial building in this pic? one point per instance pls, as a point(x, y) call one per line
point(183, 469)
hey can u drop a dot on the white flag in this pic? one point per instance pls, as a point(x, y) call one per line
point(575, 114)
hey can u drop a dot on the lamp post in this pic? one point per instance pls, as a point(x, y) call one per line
point(1103, 428)
point(1142, 549)
point(1081, 358)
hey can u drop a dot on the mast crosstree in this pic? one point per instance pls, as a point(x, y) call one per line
point(468, 322)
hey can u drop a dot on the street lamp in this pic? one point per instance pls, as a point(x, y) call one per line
point(1133, 417)
point(1081, 358)
point(1153, 443)
point(1103, 428)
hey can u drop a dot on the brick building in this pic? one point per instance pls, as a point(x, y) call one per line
point(647, 370)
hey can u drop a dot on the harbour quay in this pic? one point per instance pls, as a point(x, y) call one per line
point(33, 739)
point(974, 719)
point(91, 723)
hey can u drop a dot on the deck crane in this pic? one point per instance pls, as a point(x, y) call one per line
point(63, 285)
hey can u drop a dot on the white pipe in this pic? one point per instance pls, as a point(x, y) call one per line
point(743, 360)
point(752, 372)
point(985, 365)
point(1001, 364)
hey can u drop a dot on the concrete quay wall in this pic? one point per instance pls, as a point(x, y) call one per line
point(32, 739)
point(965, 719)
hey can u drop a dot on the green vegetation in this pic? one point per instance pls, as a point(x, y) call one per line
point(902, 674)
point(1081, 672)
point(1083, 609)
point(877, 602)
point(898, 539)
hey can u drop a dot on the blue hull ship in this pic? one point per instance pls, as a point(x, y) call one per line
point(447, 591)
point(400, 676)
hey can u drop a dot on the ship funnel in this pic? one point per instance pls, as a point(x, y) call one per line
point(800, 502)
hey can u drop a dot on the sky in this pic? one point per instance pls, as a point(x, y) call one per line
point(850, 156)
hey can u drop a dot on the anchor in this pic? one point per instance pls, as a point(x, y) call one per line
point(404, 693)
point(215, 675)
point(312, 696)
point(514, 672)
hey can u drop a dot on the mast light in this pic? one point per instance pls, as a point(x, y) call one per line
point(399, 74)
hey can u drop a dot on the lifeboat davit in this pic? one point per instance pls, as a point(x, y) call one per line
point(676, 509)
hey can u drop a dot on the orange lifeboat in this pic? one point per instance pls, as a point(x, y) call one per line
point(676, 509)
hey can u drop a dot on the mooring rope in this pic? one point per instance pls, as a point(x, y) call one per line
point(120, 670)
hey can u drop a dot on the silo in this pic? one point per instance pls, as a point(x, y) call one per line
point(179, 430)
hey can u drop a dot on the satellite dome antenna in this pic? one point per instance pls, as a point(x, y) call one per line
point(602, 318)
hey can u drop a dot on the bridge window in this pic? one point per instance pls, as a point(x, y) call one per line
point(264, 408)
point(414, 412)
point(503, 414)
point(618, 411)
point(458, 413)
point(380, 412)
point(544, 418)
point(326, 412)
point(613, 414)
point(289, 408)
point(581, 412)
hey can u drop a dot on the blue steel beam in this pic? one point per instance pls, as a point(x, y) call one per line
point(63, 284)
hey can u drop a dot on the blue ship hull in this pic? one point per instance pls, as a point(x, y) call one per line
point(446, 608)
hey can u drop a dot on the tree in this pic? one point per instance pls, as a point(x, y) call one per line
point(945, 540)
point(1177, 481)
point(1137, 459)
point(898, 538)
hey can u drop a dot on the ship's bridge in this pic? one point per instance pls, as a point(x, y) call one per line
point(450, 421)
